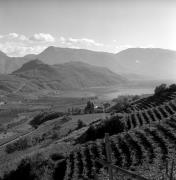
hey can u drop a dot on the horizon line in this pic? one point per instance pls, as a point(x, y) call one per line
point(98, 51)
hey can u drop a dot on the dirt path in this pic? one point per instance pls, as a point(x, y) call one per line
point(16, 138)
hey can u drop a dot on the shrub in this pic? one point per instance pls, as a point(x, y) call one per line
point(32, 168)
point(89, 108)
point(24, 143)
point(59, 171)
point(54, 136)
point(160, 89)
point(43, 117)
point(21, 144)
point(114, 125)
point(56, 157)
point(122, 103)
point(172, 87)
point(80, 124)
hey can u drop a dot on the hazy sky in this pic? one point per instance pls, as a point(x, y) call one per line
point(29, 26)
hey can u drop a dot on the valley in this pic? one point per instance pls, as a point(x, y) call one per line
point(57, 131)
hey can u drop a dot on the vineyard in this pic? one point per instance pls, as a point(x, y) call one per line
point(141, 142)
point(152, 101)
point(149, 116)
point(129, 121)
point(148, 140)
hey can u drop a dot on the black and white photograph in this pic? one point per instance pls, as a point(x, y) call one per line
point(87, 89)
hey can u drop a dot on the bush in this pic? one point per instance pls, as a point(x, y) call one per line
point(34, 168)
point(163, 88)
point(21, 144)
point(160, 89)
point(24, 143)
point(54, 136)
point(122, 103)
point(172, 87)
point(89, 108)
point(80, 124)
point(59, 171)
point(43, 117)
point(114, 125)
point(56, 157)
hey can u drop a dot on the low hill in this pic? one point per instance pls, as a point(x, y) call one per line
point(72, 75)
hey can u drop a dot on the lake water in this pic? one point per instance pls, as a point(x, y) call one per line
point(129, 91)
point(106, 93)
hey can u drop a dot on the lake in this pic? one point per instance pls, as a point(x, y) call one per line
point(125, 91)
point(106, 93)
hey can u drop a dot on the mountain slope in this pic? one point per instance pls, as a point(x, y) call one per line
point(10, 64)
point(14, 84)
point(72, 75)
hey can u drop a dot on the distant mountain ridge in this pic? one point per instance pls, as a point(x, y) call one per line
point(154, 63)
point(10, 64)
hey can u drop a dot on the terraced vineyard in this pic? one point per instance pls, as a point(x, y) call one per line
point(129, 121)
point(151, 101)
point(142, 140)
point(149, 116)
point(131, 150)
point(148, 140)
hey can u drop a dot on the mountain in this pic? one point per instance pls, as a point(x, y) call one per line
point(71, 75)
point(152, 62)
point(10, 64)
point(56, 55)
point(136, 63)
point(144, 63)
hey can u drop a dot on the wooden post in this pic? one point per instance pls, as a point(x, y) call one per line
point(131, 174)
point(167, 167)
point(110, 166)
point(171, 172)
point(95, 175)
point(108, 155)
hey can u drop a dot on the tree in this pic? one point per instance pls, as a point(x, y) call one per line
point(106, 105)
point(122, 103)
point(89, 107)
point(69, 111)
point(80, 124)
point(172, 87)
point(160, 89)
